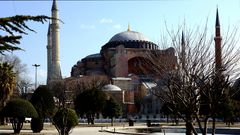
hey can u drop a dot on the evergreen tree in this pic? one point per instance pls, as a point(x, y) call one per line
point(14, 27)
point(112, 109)
point(90, 102)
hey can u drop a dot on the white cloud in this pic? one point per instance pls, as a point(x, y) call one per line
point(117, 26)
point(106, 20)
point(85, 26)
point(111, 23)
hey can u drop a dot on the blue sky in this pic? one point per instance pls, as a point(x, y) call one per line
point(90, 24)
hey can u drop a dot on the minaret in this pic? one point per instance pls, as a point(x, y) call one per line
point(218, 45)
point(56, 71)
point(49, 54)
point(183, 52)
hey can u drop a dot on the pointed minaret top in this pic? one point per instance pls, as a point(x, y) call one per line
point(129, 28)
point(217, 19)
point(183, 39)
point(183, 54)
point(54, 5)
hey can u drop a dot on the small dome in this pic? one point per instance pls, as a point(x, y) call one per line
point(128, 36)
point(110, 87)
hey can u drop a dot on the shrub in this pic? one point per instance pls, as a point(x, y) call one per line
point(18, 109)
point(65, 120)
point(42, 100)
point(37, 124)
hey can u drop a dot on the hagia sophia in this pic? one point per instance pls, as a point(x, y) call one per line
point(122, 55)
point(124, 60)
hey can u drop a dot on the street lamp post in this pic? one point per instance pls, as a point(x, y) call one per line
point(36, 66)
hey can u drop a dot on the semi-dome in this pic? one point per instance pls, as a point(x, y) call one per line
point(129, 36)
point(110, 87)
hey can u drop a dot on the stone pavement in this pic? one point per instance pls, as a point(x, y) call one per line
point(76, 131)
point(114, 130)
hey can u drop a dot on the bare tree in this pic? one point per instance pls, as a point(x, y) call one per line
point(195, 84)
point(79, 84)
point(20, 70)
point(24, 85)
point(65, 91)
point(59, 90)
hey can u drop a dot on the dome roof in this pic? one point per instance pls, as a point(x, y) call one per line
point(97, 55)
point(110, 87)
point(128, 36)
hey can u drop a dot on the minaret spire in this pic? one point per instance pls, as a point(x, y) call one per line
point(183, 53)
point(49, 53)
point(218, 45)
point(217, 19)
point(54, 5)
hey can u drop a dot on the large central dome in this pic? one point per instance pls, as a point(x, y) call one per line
point(130, 39)
point(129, 36)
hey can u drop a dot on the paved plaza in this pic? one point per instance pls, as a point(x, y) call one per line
point(76, 131)
point(83, 130)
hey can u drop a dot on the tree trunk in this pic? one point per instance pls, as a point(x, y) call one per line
point(167, 118)
point(189, 130)
point(64, 132)
point(92, 119)
point(111, 121)
point(189, 125)
point(88, 118)
point(194, 130)
point(205, 126)
point(213, 126)
point(2, 120)
point(17, 125)
point(176, 120)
